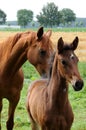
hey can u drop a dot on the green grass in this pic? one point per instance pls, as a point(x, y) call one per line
point(77, 99)
point(69, 29)
point(57, 29)
point(78, 102)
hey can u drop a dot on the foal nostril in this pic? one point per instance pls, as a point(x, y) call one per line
point(78, 85)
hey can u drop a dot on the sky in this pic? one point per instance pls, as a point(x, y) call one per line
point(10, 7)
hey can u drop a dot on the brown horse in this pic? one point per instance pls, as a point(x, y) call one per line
point(47, 100)
point(33, 46)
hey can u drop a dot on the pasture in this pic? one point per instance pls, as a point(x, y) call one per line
point(77, 99)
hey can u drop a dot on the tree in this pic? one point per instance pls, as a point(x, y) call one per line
point(24, 17)
point(67, 16)
point(2, 17)
point(49, 15)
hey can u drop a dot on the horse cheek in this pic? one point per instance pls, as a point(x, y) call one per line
point(32, 57)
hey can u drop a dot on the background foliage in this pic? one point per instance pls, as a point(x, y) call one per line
point(2, 17)
point(49, 16)
point(24, 16)
point(67, 16)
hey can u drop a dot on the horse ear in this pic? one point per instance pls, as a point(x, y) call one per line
point(40, 32)
point(60, 45)
point(49, 33)
point(74, 44)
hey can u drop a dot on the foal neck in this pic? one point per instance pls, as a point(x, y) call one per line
point(58, 87)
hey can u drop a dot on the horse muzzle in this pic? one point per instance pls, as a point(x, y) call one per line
point(78, 85)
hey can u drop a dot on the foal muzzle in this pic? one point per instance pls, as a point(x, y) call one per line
point(78, 85)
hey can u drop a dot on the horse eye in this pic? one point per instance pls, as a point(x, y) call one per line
point(63, 62)
point(42, 52)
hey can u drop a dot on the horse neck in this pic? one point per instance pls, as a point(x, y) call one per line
point(58, 87)
point(16, 59)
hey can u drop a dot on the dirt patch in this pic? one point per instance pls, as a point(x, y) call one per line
point(67, 37)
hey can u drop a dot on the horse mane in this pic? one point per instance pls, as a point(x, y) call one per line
point(17, 36)
point(11, 41)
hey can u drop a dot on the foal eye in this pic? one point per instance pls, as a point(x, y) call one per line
point(42, 52)
point(63, 62)
point(72, 57)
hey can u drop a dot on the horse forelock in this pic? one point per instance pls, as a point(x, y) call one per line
point(67, 47)
point(44, 43)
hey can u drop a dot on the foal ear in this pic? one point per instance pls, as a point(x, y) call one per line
point(60, 45)
point(49, 33)
point(40, 32)
point(74, 44)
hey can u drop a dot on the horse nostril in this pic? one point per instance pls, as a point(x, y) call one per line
point(78, 85)
point(42, 52)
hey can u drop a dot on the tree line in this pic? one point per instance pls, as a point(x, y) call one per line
point(49, 16)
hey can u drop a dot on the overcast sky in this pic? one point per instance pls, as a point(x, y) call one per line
point(10, 7)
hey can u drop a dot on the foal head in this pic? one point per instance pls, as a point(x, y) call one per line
point(68, 63)
point(40, 51)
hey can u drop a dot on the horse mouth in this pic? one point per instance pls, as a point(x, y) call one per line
point(78, 85)
point(44, 74)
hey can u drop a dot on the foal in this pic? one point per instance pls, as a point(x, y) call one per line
point(47, 100)
point(36, 47)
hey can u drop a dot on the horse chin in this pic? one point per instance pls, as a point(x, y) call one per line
point(44, 75)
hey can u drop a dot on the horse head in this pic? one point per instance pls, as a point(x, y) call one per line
point(40, 51)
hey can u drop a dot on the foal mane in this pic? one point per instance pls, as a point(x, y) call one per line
point(51, 64)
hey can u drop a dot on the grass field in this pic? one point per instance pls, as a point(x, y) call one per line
point(77, 99)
